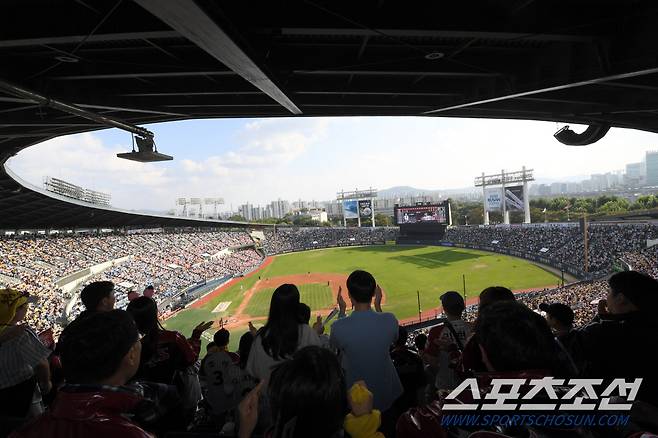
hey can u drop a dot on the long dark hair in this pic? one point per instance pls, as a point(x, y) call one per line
point(144, 311)
point(280, 334)
point(244, 348)
point(308, 395)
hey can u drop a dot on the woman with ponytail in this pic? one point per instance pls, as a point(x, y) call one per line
point(283, 334)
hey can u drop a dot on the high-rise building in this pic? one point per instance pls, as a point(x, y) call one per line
point(556, 188)
point(652, 168)
point(634, 170)
point(599, 182)
point(280, 208)
point(246, 212)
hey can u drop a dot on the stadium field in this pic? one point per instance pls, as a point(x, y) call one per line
point(317, 296)
point(401, 271)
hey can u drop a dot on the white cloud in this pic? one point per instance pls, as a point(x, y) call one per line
point(264, 147)
point(84, 160)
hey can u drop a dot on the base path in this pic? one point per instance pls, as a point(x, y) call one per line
point(217, 292)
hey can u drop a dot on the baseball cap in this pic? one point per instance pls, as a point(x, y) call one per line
point(10, 300)
point(452, 302)
point(559, 311)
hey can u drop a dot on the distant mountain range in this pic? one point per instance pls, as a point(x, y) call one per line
point(408, 191)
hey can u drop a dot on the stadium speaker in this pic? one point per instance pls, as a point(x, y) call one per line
point(592, 134)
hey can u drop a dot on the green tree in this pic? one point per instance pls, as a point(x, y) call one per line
point(614, 206)
point(382, 220)
point(645, 202)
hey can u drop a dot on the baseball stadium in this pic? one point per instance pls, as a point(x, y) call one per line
point(143, 294)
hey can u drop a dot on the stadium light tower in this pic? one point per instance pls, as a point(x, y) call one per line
point(214, 202)
point(508, 197)
point(197, 201)
point(183, 203)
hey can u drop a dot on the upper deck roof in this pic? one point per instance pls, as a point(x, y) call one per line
point(144, 61)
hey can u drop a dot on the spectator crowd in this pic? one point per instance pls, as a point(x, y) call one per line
point(120, 373)
point(565, 244)
point(288, 239)
point(168, 261)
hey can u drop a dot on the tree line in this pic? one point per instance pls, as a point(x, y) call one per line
point(558, 209)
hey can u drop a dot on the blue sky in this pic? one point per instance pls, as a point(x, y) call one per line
point(258, 160)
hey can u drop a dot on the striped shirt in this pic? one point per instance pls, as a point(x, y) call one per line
point(20, 351)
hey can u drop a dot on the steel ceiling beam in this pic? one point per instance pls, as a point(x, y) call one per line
point(188, 19)
point(16, 90)
point(172, 74)
point(76, 39)
point(594, 81)
point(415, 33)
point(395, 73)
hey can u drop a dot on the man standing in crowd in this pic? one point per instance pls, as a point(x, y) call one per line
point(98, 297)
point(560, 319)
point(446, 341)
point(363, 341)
point(620, 341)
point(221, 375)
point(99, 356)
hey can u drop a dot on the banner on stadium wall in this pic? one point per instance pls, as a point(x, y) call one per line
point(494, 200)
point(350, 209)
point(365, 208)
point(514, 198)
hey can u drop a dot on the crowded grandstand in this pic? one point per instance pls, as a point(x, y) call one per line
point(172, 262)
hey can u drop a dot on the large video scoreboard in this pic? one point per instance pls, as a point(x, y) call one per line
point(417, 214)
point(422, 224)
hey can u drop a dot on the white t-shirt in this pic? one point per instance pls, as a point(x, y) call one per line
point(260, 363)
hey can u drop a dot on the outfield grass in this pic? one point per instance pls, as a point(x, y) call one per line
point(400, 270)
point(316, 295)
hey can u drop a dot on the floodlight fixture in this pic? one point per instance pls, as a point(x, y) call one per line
point(147, 151)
